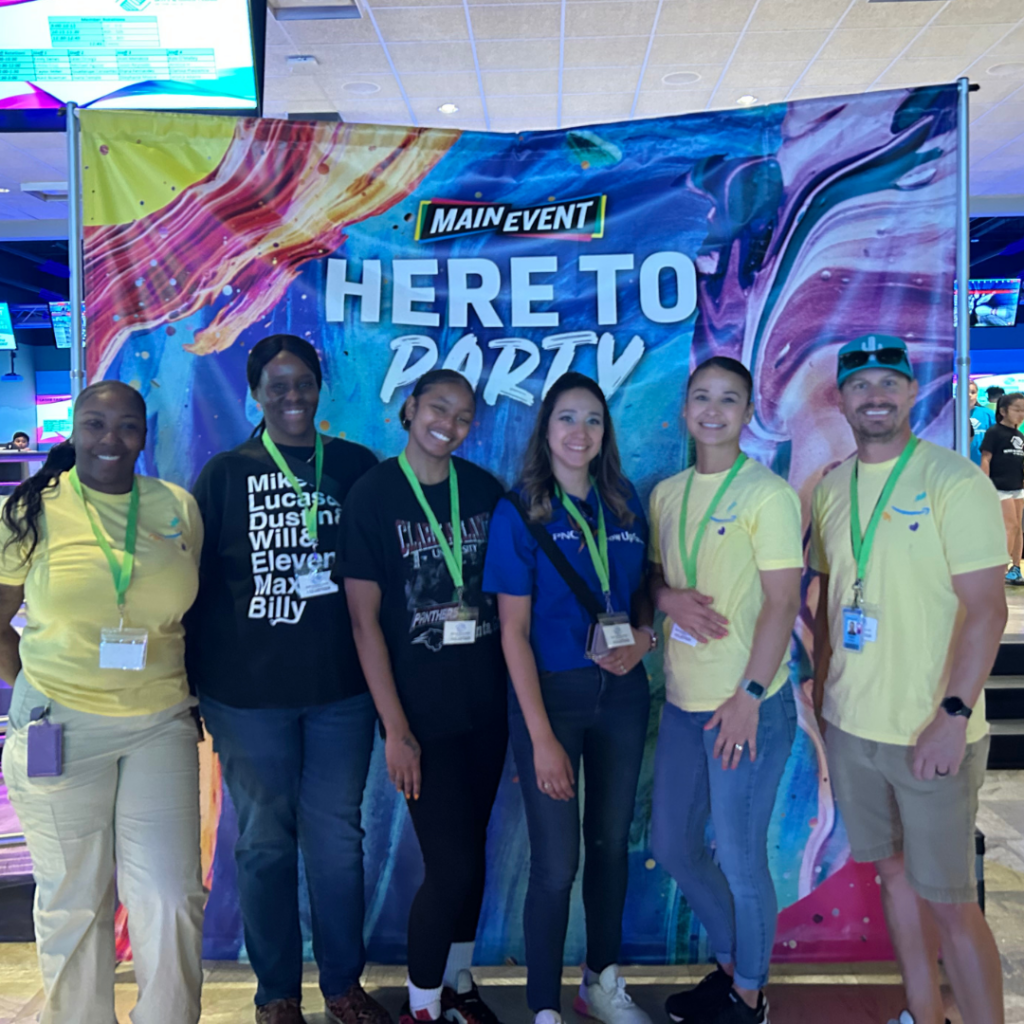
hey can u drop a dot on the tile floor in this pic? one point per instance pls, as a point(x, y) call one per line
point(840, 994)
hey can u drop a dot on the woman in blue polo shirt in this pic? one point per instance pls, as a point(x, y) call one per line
point(580, 689)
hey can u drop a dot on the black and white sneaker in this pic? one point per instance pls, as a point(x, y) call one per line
point(735, 1011)
point(463, 1005)
point(704, 999)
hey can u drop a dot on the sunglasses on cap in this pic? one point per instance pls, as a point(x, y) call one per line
point(881, 357)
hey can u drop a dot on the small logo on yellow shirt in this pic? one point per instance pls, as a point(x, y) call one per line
point(913, 527)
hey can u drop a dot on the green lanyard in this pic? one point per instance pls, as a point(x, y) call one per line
point(598, 549)
point(862, 544)
point(453, 559)
point(121, 571)
point(309, 513)
point(689, 555)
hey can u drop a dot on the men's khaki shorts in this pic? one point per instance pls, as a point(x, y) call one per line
point(886, 811)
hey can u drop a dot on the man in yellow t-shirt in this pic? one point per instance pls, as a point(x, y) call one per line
point(906, 632)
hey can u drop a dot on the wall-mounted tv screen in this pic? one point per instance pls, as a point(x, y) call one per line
point(6, 329)
point(991, 302)
point(128, 54)
point(53, 418)
point(60, 318)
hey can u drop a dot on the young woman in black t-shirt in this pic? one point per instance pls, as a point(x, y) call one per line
point(414, 537)
point(269, 649)
point(1002, 459)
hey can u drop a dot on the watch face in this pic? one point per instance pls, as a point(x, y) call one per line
point(754, 689)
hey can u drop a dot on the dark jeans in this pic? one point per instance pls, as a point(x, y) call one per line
point(296, 777)
point(460, 780)
point(600, 719)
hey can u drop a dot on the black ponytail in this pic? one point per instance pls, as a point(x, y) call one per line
point(22, 510)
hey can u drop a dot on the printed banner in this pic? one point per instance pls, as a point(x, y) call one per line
point(629, 252)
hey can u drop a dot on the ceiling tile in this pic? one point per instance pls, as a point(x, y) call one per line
point(603, 52)
point(705, 48)
point(290, 89)
point(635, 17)
point(773, 15)
point(761, 46)
point(725, 100)
point(514, 113)
point(311, 106)
point(302, 33)
point(413, 57)
point(381, 112)
point(604, 107)
point(955, 41)
point(410, 25)
point(709, 74)
point(744, 75)
point(824, 75)
point(516, 54)
point(1010, 47)
point(511, 21)
point(415, 3)
point(892, 15)
point(355, 59)
point(441, 85)
point(335, 90)
point(519, 83)
point(702, 16)
point(665, 103)
point(276, 35)
point(919, 72)
point(982, 145)
point(866, 43)
point(1004, 113)
point(980, 12)
point(600, 80)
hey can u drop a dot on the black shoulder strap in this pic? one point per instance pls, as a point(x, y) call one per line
point(546, 543)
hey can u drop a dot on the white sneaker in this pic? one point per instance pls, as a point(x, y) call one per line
point(548, 1017)
point(607, 1000)
point(906, 1018)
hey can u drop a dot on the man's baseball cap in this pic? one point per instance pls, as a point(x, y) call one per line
point(873, 352)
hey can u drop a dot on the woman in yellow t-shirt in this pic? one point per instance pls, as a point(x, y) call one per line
point(100, 758)
point(726, 552)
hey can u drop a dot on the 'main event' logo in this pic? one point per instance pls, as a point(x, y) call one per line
point(575, 218)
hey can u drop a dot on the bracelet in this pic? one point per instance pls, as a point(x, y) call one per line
point(649, 630)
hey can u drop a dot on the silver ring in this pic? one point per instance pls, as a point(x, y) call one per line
point(739, 746)
point(547, 785)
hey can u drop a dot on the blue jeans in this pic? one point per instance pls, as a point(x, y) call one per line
point(732, 894)
point(600, 719)
point(296, 777)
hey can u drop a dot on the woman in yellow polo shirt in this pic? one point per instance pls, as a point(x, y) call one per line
point(100, 759)
point(726, 552)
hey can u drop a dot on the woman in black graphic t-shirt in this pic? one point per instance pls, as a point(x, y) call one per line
point(269, 649)
point(430, 647)
point(1002, 459)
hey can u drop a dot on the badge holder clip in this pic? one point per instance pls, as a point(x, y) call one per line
point(123, 649)
point(611, 630)
point(312, 579)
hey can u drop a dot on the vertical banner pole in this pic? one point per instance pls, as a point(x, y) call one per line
point(75, 255)
point(963, 270)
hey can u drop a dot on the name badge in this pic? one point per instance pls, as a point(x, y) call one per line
point(680, 634)
point(462, 628)
point(859, 629)
point(123, 649)
point(617, 630)
point(315, 584)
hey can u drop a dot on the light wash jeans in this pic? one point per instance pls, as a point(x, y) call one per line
point(126, 805)
point(731, 893)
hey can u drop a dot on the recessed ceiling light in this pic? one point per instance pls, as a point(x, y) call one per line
point(361, 88)
point(746, 101)
point(1005, 70)
point(681, 78)
point(448, 108)
point(5, 190)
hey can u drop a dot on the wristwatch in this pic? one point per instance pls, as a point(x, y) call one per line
point(754, 688)
point(650, 631)
point(956, 707)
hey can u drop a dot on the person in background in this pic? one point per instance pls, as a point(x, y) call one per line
point(993, 394)
point(982, 417)
point(20, 442)
point(414, 538)
point(726, 559)
point(100, 758)
point(908, 545)
point(580, 691)
point(1002, 460)
point(271, 655)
